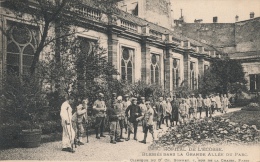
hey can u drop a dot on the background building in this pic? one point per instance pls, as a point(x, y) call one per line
point(239, 40)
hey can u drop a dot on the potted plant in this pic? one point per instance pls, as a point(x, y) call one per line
point(24, 103)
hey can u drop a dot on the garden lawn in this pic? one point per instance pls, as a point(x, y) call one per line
point(244, 117)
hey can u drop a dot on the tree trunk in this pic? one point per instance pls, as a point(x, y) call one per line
point(39, 48)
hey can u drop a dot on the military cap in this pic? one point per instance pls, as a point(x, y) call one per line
point(101, 95)
point(114, 94)
point(147, 102)
point(126, 95)
point(142, 98)
point(133, 99)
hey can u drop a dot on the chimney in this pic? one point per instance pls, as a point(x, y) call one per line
point(252, 15)
point(237, 17)
point(215, 19)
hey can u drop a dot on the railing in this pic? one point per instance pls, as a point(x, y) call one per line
point(88, 12)
point(155, 34)
point(128, 25)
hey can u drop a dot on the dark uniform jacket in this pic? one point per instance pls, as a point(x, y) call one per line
point(112, 114)
point(135, 112)
point(175, 109)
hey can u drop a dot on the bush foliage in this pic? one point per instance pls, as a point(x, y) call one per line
point(213, 130)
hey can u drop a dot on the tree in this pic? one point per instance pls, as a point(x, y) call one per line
point(224, 76)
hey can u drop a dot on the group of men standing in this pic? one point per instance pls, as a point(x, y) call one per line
point(124, 115)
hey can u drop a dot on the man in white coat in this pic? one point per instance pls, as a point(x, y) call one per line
point(68, 133)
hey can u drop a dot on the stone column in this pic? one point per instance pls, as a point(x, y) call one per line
point(168, 69)
point(146, 61)
point(186, 63)
point(201, 66)
point(112, 49)
point(2, 49)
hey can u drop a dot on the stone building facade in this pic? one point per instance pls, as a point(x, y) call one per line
point(138, 46)
point(239, 40)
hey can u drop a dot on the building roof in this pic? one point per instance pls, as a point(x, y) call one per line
point(245, 55)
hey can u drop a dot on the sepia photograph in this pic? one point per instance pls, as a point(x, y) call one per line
point(130, 80)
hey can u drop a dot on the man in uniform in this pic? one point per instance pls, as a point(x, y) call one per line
point(135, 112)
point(218, 102)
point(168, 111)
point(213, 105)
point(193, 107)
point(183, 111)
point(116, 116)
point(126, 103)
point(175, 110)
point(143, 108)
point(68, 133)
point(99, 107)
point(160, 107)
point(77, 119)
point(120, 111)
point(207, 105)
point(200, 104)
point(147, 119)
point(114, 100)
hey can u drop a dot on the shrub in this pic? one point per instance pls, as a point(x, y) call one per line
point(252, 107)
point(208, 130)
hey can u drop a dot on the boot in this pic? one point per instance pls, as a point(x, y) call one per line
point(128, 138)
point(96, 130)
point(121, 134)
point(144, 141)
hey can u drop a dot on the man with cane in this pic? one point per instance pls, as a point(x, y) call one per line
point(68, 133)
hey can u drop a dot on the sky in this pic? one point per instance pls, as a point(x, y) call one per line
point(225, 10)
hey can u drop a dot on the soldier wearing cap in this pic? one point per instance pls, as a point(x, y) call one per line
point(218, 102)
point(114, 100)
point(132, 113)
point(147, 119)
point(183, 111)
point(160, 107)
point(175, 110)
point(207, 105)
point(143, 108)
point(200, 104)
point(193, 107)
point(99, 108)
point(77, 121)
point(168, 111)
point(116, 118)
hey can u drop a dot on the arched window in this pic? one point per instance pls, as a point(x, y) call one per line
point(127, 64)
point(175, 72)
point(21, 45)
point(155, 70)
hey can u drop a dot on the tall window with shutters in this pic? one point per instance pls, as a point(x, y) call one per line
point(127, 64)
point(155, 69)
point(175, 72)
point(21, 45)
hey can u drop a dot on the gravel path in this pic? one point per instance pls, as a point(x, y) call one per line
point(100, 150)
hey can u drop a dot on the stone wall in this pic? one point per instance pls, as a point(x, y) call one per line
point(248, 35)
point(158, 12)
point(217, 34)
